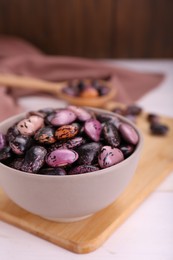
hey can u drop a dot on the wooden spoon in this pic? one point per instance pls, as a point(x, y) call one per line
point(23, 82)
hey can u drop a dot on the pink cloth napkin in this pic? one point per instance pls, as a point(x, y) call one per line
point(20, 57)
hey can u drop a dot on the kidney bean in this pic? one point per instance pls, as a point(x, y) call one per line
point(109, 156)
point(111, 134)
point(93, 129)
point(81, 113)
point(61, 117)
point(158, 129)
point(128, 133)
point(88, 153)
point(30, 125)
point(34, 159)
point(61, 157)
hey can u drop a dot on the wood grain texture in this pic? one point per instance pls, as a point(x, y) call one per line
point(87, 235)
point(92, 28)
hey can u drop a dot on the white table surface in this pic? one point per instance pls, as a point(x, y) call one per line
point(147, 234)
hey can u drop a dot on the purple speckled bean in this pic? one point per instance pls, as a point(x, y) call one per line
point(93, 129)
point(128, 133)
point(61, 117)
point(111, 134)
point(34, 159)
point(81, 113)
point(61, 157)
point(109, 156)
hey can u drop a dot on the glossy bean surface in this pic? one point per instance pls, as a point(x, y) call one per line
point(61, 157)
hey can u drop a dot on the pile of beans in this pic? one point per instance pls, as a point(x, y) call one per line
point(86, 88)
point(67, 141)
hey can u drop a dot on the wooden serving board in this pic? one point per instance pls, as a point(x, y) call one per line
point(87, 235)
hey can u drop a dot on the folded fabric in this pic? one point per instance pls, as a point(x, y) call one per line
point(20, 57)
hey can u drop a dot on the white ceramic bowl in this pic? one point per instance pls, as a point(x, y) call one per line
point(67, 198)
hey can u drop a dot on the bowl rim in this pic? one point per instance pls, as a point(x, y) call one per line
point(82, 175)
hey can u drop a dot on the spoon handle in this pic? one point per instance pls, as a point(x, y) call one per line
point(23, 82)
